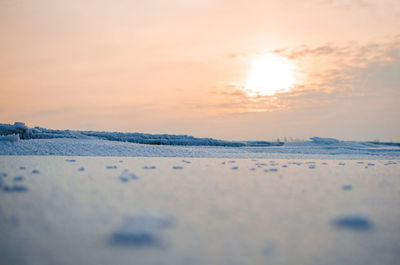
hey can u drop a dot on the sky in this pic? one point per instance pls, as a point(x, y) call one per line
point(182, 67)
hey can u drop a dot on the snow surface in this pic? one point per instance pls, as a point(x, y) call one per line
point(9, 138)
point(309, 149)
point(142, 138)
point(74, 197)
point(41, 141)
point(324, 141)
point(114, 210)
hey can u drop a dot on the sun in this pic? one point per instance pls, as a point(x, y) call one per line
point(270, 74)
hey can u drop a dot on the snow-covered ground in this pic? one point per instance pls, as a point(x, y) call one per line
point(73, 197)
point(95, 147)
point(19, 139)
point(153, 210)
point(19, 130)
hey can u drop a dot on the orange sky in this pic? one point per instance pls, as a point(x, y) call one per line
point(179, 67)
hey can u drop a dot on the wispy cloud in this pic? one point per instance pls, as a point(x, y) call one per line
point(347, 4)
point(332, 73)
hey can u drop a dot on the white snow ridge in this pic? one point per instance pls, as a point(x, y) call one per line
point(41, 141)
point(9, 138)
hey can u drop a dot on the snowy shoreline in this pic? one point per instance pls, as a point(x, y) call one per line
point(17, 131)
point(19, 139)
point(296, 150)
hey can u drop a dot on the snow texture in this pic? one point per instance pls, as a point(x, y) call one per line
point(142, 230)
point(86, 147)
point(126, 176)
point(155, 139)
point(357, 223)
point(41, 141)
point(324, 141)
point(204, 213)
point(9, 138)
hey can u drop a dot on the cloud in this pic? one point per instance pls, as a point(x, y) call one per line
point(353, 51)
point(333, 73)
point(347, 4)
point(339, 67)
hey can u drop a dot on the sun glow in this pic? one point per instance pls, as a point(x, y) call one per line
point(270, 74)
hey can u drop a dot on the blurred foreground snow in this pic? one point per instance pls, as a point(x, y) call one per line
point(142, 210)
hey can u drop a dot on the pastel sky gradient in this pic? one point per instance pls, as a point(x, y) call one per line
point(179, 66)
